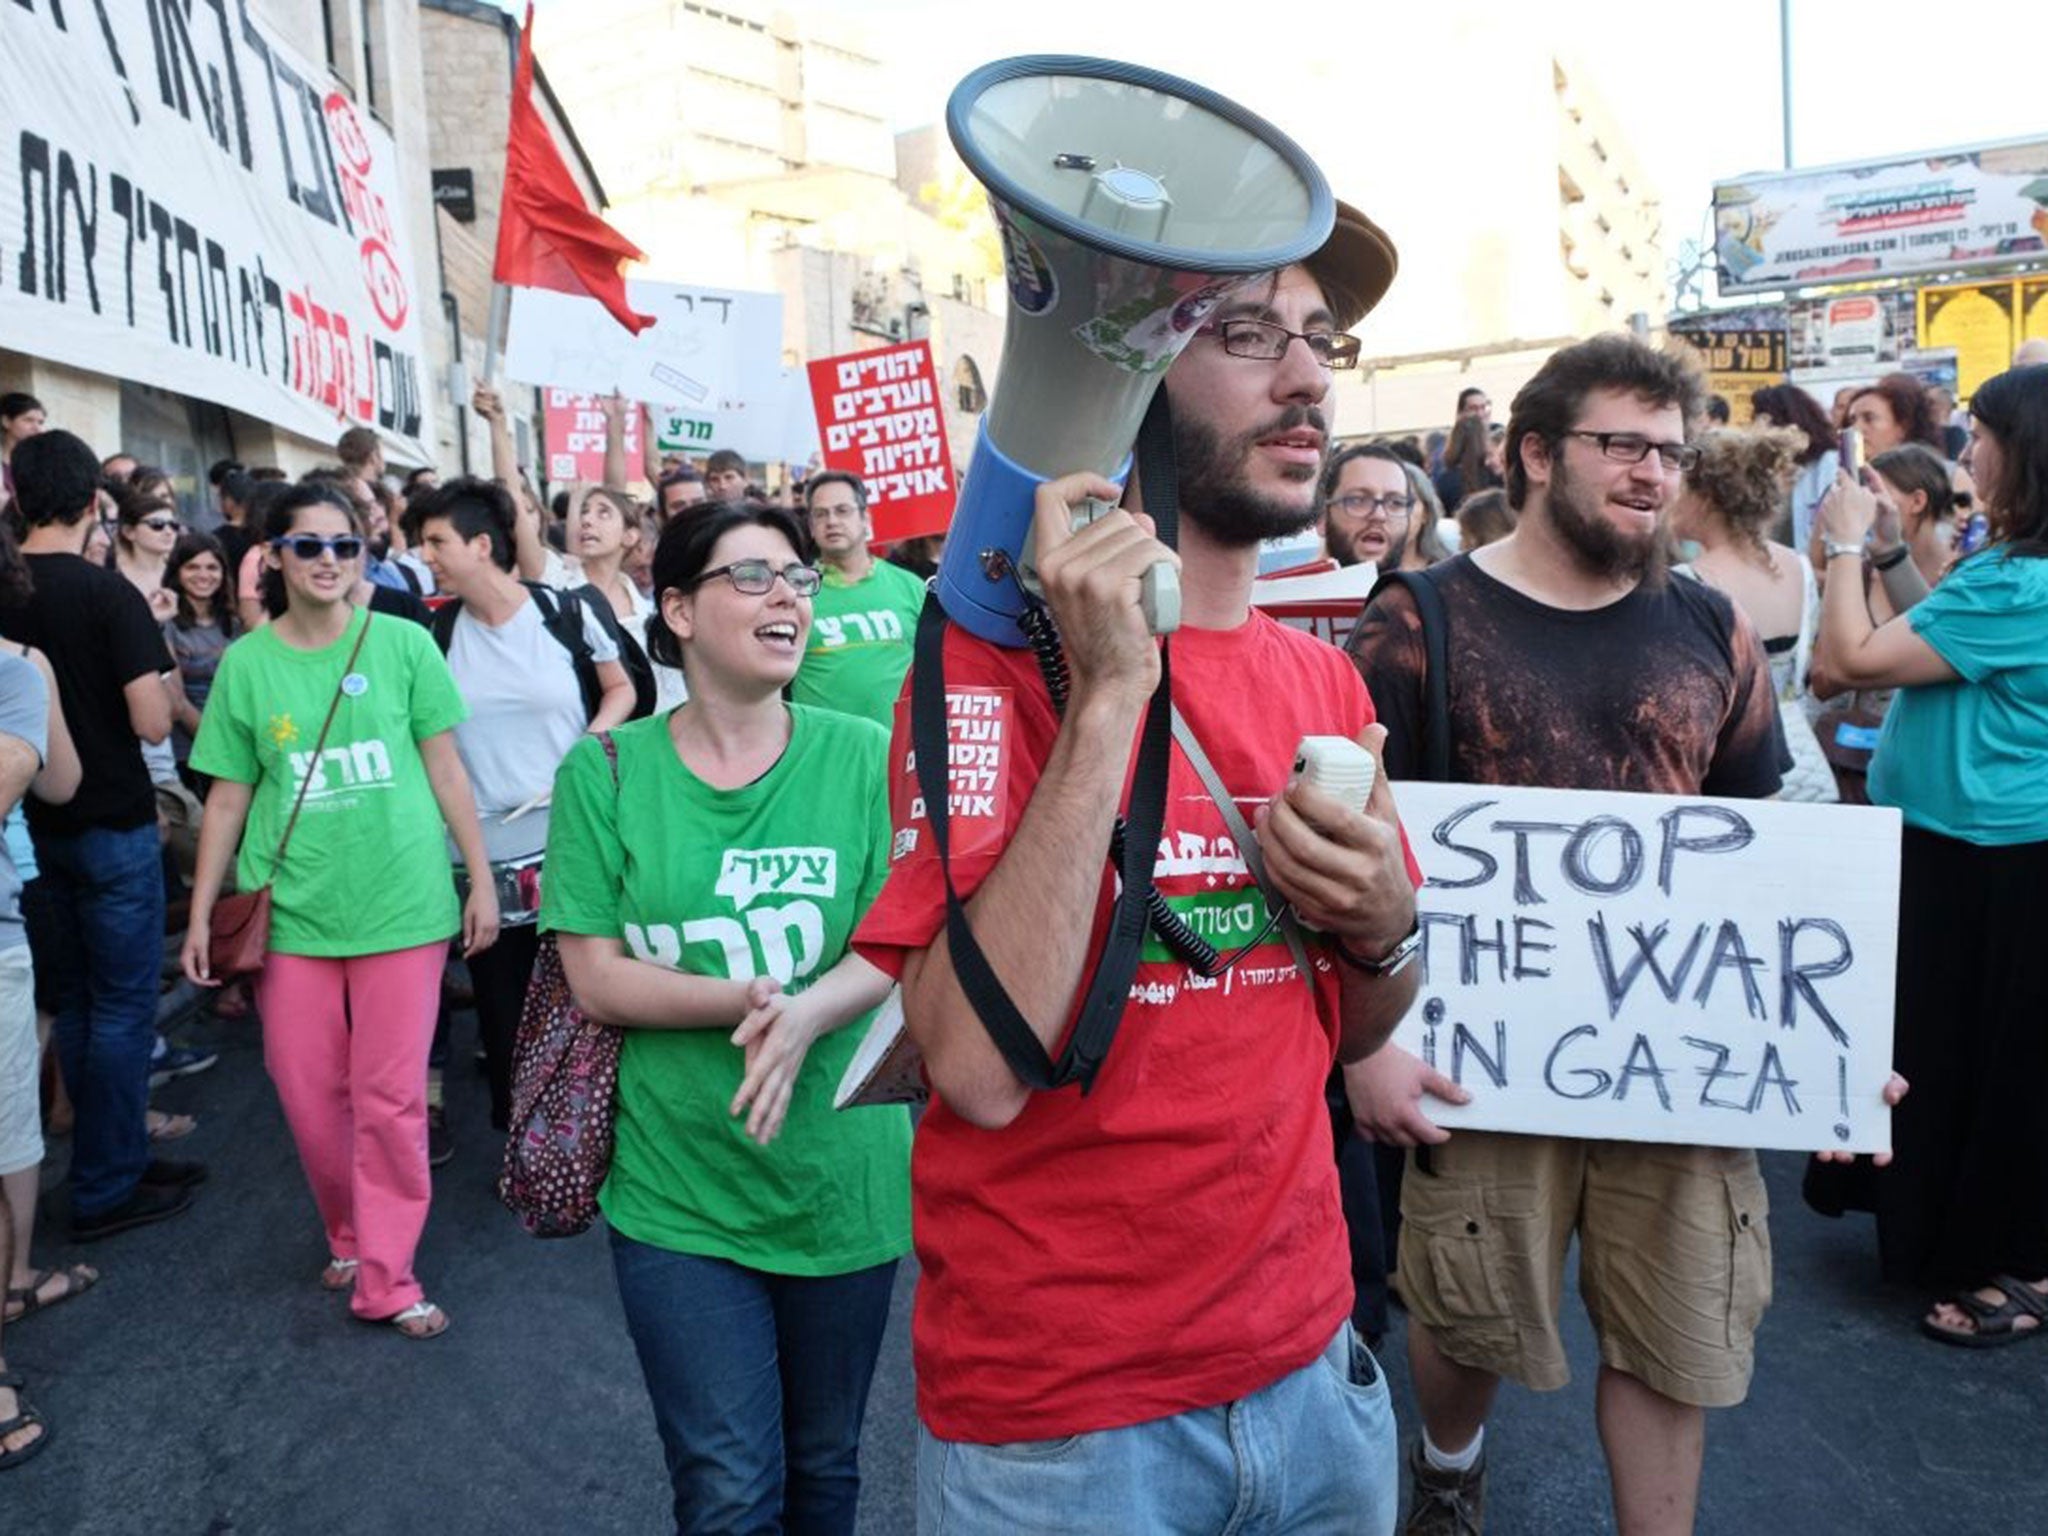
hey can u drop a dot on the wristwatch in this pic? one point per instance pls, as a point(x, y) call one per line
point(1833, 547)
point(1396, 959)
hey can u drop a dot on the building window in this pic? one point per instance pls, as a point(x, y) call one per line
point(968, 389)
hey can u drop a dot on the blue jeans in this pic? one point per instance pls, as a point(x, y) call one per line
point(1311, 1455)
point(759, 1383)
point(101, 960)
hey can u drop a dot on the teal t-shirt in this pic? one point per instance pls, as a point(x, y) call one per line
point(861, 635)
point(1969, 759)
point(367, 870)
point(768, 879)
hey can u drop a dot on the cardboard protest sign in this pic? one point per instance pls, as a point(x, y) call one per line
point(776, 425)
point(1656, 968)
point(707, 348)
point(878, 413)
point(575, 438)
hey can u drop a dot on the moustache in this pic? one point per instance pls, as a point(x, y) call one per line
point(1292, 419)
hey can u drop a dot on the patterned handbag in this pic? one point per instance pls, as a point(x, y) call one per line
point(565, 1071)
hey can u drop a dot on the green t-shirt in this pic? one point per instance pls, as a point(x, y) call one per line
point(768, 879)
point(367, 870)
point(861, 634)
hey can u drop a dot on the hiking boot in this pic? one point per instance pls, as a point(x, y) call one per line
point(440, 1144)
point(1445, 1503)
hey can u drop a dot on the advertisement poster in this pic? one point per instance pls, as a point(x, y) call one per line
point(1852, 330)
point(1883, 218)
point(878, 416)
point(189, 204)
point(1738, 363)
point(1980, 320)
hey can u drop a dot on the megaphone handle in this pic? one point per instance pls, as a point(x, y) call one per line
point(1158, 588)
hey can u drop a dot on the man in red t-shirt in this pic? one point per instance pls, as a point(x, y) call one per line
point(1133, 1313)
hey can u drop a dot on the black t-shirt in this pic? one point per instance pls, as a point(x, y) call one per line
point(1665, 692)
point(99, 634)
point(237, 541)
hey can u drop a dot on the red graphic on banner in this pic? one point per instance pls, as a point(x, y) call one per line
point(575, 437)
point(977, 778)
point(878, 416)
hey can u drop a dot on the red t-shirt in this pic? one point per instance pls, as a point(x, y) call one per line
point(1174, 1239)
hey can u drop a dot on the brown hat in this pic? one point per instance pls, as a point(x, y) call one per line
point(1355, 266)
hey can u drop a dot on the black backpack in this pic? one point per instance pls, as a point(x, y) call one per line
point(561, 614)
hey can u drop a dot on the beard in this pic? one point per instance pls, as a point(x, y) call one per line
point(1345, 552)
point(1216, 494)
point(1603, 550)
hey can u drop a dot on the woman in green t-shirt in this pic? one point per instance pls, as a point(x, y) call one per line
point(1965, 1200)
point(704, 881)
point(362, 903)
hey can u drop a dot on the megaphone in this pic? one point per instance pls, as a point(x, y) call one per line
point(1131, 204)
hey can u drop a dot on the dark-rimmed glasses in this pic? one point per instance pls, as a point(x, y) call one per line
point(161, 524)
point(1268, 342)
point(756, 578)
point(1362, 504)
point(1633, 448)
point(311, 546)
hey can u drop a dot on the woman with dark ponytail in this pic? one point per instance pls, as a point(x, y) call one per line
point(705, 872)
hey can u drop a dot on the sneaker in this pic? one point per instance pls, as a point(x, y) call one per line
point(440, 1145)
point(180, 1061)
point(1445, 1503)
point(172, 1173)
point(150, 1202)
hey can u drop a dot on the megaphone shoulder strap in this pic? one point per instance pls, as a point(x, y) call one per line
point(1102, 1008)
point(1109, 987)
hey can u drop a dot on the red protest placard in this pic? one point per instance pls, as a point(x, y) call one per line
point(878, 416)
point(575, 437)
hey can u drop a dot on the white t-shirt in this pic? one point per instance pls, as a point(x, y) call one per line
point(563, 572)
point(525, 713)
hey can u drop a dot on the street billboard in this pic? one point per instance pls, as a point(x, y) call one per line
point(1883, 218)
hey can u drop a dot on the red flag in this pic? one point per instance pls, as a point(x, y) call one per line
point(546, 237)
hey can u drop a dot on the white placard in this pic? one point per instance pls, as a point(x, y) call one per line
point(709, 348)
point(1656, 968)
point(187, 203)
point(778, 428)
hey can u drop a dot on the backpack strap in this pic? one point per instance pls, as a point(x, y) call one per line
point(442, 623)
point(564, 620)
point(1436, 652)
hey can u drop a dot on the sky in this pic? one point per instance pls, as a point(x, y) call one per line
point(1696, 87)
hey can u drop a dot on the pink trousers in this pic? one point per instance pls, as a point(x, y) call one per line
point(346, 1044)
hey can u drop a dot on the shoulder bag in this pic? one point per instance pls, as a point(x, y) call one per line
point(238, 937)
point(565, 1071)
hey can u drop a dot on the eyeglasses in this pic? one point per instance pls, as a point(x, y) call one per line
point(756, 578)
point(1633, 448)
point(1267, 342)
point(311, 546)
point(1361, 504)
point(162, 524)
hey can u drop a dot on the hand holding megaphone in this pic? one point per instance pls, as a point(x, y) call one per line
point(1095, 575)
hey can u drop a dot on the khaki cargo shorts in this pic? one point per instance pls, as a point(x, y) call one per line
point(1674, 1262)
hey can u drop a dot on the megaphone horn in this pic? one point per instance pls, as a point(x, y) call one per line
point(1131, 203)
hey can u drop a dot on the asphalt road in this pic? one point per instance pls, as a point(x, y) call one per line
point(208, 1385)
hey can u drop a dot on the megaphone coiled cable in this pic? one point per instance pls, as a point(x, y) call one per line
point(1200, 956)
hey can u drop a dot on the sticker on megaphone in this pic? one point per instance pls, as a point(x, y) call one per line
point(1158, 588)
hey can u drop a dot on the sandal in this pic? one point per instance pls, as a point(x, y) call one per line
point(339, 1274)
point(78, 1279)
point(1996, 1323)
point(421, 1320)
point(25, 1417)
point(168, 1127)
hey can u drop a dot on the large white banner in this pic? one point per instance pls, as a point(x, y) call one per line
point(1969, 207)
point(708, 349)
point(1656, 968)
point(185, 202)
